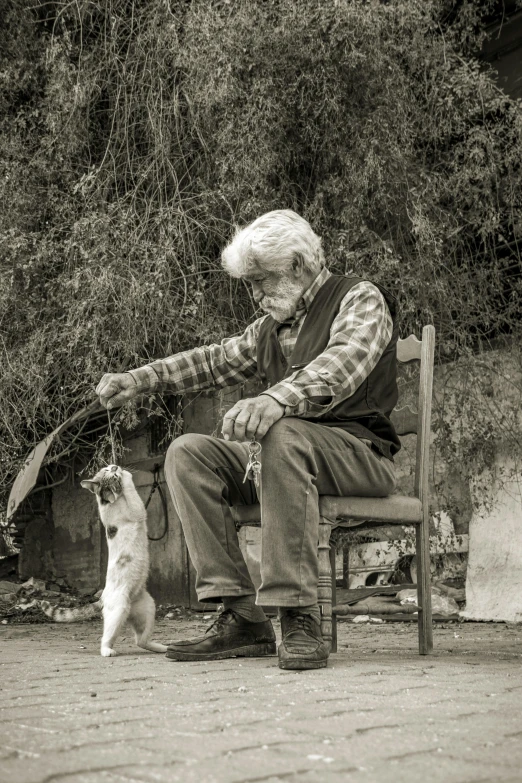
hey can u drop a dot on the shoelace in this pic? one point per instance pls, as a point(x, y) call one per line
point(299, 622)
point(221, 619)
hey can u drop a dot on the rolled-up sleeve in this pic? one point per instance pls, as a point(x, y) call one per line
point(232, 361)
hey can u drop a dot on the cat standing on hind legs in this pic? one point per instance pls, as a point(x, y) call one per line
point(125, 596)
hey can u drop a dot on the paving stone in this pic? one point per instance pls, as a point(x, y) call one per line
point(378, 711)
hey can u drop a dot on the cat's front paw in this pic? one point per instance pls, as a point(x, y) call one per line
point(108, 652)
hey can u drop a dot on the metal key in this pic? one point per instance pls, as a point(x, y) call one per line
point(256, 471)
point(253, 468)
point(248, 471)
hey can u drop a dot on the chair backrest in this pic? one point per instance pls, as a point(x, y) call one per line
point(405, 419)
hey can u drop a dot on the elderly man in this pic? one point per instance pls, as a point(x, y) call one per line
point(326, 350)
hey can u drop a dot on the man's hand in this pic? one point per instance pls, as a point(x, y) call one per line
point(116, 388)
point(251, 418)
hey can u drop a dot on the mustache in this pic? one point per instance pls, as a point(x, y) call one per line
point(276, 301)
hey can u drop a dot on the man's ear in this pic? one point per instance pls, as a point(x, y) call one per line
point(298, 264)
point(92, 486)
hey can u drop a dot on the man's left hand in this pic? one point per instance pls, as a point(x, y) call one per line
point(251, 418)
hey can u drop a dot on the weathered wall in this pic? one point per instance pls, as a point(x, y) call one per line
point(168, 571)
point(494, 576)
point(66, 548)
point(36, 556)
point(77, 537)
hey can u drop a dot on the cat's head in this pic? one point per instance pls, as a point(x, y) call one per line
point(108, 484)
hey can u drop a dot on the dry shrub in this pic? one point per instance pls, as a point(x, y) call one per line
point(137, 133)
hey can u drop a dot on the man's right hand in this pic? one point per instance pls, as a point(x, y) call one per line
point(116, 388)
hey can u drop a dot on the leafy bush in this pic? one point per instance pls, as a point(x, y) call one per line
point(137, 133)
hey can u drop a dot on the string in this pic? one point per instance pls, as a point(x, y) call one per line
point(111, 435)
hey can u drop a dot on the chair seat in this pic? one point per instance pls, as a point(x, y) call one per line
point(353, 511)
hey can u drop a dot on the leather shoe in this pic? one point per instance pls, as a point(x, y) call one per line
point(229, 636)
point(302, 645)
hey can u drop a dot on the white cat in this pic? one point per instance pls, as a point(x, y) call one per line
point(125, 595)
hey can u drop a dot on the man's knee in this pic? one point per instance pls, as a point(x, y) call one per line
point(284, 435)
point(183, 449)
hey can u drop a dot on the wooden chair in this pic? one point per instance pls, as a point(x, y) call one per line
point(364, 513)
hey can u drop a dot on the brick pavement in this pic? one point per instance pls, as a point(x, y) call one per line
point(379, 711)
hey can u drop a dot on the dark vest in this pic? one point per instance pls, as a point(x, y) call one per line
point(366, 413)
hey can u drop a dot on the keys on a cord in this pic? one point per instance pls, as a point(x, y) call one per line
point(253, 468)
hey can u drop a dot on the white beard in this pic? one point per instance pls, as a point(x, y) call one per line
point(283, 303)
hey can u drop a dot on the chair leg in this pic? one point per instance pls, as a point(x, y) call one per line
point(324, 587)
point(346, 566)
point(424, 588)
point(333, 569)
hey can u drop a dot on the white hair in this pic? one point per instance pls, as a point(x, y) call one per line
point(271, 242)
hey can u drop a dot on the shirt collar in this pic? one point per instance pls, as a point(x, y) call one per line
point(309, 295)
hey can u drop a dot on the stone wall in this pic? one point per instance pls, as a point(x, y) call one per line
point(494, 575)
point(65, 548)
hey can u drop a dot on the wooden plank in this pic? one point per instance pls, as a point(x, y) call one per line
point(374, 605)
point(396, 509)
point(405, 420)
point(324, 584)
point(409, 350)
point(421, 491)
point(356, 594)
point(403, 618)
point(334, 598)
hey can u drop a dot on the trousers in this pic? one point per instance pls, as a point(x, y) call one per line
point(301, 460)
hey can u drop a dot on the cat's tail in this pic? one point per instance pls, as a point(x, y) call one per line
point(61, 614)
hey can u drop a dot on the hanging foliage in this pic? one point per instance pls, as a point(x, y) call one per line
point(137, 133)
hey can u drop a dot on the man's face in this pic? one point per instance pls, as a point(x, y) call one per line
point(276, 292)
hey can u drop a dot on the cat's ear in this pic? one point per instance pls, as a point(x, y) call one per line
point(92, 486)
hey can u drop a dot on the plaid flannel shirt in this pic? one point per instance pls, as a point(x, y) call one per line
point(359, 334)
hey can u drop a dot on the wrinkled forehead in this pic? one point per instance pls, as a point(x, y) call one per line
point(257, 273)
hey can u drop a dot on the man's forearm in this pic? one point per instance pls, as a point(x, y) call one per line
point(182, 372)
point(212, 366)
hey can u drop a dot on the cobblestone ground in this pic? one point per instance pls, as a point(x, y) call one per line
point(378, 713)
